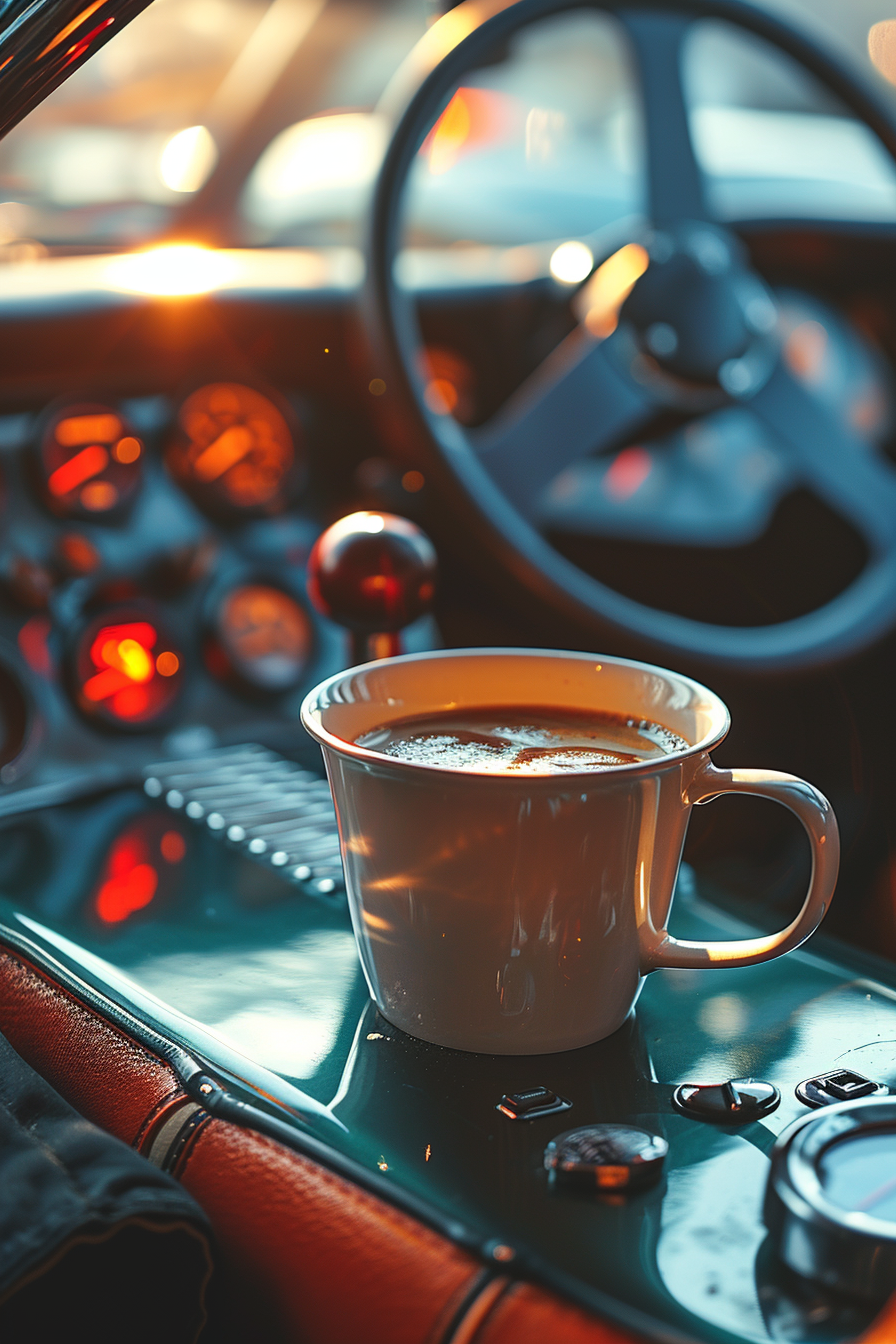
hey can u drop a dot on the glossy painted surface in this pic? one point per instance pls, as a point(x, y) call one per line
point(519, 914)
point(272, 982)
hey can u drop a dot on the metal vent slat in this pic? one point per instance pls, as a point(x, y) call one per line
point(269, 808)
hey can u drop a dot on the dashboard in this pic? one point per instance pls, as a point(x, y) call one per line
point(178, 427)
point(167, 837)
point(157, 524)
point(247, 415)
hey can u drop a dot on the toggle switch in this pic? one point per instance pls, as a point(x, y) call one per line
point(837, 1085)
point(531, 1103)
point(735, 1102)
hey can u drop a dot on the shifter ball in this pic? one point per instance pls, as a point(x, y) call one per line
point(372, 572)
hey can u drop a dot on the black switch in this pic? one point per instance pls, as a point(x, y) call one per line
point(845, 1085)
point(531, 1103)
point(736, 1102)
point(839, 1085)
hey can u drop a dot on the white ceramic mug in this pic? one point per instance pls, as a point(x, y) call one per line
point(518, 914)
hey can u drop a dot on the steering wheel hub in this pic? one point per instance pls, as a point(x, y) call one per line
point(697, 308)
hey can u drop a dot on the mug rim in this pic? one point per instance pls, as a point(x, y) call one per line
point(311, 704)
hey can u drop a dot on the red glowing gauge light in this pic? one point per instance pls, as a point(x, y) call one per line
point(89, 461)
point(126, 670)
point(143, 868)
point(261, 637)
point(232, 450)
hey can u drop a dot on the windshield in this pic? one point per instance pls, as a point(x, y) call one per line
point(249, 122)
point(168, 118)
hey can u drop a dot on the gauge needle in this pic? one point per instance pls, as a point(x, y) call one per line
point(877, 1196)
point(106, 683)
point(228, 449)
point(78, 469)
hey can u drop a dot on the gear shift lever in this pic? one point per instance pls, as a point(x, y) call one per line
point(373, 573)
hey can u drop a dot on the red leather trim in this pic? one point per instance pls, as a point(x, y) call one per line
point(327, 1258)
point(466, 1330)
point(101, 1072)
point(526, 1315)
point(301, 1252)
point(160, 1113)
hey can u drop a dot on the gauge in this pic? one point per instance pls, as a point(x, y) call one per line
point(89, 461)
point(831, 1196)
point(261, 637)
point(233, 450)
point(126, 670)
point(142, 871)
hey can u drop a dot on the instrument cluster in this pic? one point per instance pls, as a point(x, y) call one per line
point(152, 576)
point(230, 448)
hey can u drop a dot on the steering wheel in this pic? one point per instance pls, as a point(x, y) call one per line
point(698, 317)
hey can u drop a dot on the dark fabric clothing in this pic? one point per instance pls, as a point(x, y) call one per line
point(93, 1238)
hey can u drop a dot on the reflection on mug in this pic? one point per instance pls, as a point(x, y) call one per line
point(516, 990)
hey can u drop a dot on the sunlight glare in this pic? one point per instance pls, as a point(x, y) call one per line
point(175, 269)
point(571, 262)
point(325, 153)
point(187, 159)
point(882, 48)
point(598, 303)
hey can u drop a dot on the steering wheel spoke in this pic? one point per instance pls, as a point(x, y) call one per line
point(839, 467)
point(675, 182)
point(577, 402)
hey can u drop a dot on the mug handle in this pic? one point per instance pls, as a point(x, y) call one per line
point(820, 824)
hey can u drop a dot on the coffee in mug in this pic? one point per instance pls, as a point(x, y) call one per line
point(511, 824)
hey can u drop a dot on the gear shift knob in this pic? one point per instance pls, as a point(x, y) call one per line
point(373, 573)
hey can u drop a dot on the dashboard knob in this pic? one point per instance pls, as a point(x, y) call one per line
point(829, 1200)
point(736, 1102)
point(607, 1158)
point(373, 573)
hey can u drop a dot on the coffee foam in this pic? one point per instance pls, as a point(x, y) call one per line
point(530, 740)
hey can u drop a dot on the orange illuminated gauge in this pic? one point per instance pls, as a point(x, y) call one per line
point(126, 671)
point(232, 450)
point(89, 461)
point(143, 869)
point(261, 637)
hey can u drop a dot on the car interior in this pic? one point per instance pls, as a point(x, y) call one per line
point(337, 330)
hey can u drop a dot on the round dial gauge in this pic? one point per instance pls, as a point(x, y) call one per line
point(126, 670)
point(831, 1197)
point(262, 637)
point(89, 461)
point(232, 450)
